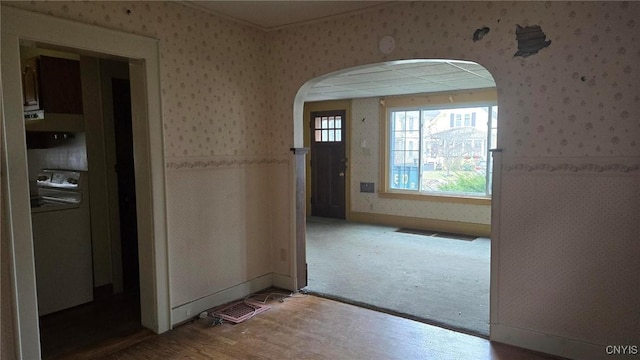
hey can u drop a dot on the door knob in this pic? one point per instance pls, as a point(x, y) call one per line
point(341, 173)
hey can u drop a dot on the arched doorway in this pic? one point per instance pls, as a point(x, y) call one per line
point(452, 101)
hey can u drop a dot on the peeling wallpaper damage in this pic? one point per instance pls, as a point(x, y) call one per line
point(548, 110)
point(572, 105)
point(530, 39)
point(229, 90)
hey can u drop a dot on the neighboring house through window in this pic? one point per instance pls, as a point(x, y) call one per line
point(441, 148)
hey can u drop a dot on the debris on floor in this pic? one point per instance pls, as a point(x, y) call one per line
point(241, 310)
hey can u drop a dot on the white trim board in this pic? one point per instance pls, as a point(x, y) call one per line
point(283, 282)
point(191, 309)
point(19, 25)
point(188, 311)
point(548, 344)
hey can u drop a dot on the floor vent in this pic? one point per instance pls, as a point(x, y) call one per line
point(241, 311)
point(436, 234)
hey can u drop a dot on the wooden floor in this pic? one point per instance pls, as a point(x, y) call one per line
point(308, 327)
point(93, 329)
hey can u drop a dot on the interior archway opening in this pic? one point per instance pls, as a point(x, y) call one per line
point(417, 177)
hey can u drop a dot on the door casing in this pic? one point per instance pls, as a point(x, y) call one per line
point(19, 26)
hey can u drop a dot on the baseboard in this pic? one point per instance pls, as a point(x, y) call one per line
point(284, 282)
point(456, 227)
point(190, 310)
point(549, 344)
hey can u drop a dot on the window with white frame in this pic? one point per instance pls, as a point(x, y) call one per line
point(442, 150)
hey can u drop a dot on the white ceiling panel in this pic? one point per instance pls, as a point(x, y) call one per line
point(330, 89)
point(429, 70)
point(422, 88)
point(370, 69)
point(401, 81)
point(470, 66)
point(471, 84)
point(358, 78)
point(400, 78)
point(369, 85)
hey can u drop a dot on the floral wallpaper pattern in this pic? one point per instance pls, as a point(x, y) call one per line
point(229, 90)
point(206, 163)
point(579, 234)
point(574, 98)
point(590, 167)
point(212, 72)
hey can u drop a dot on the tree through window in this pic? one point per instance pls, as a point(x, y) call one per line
point(442, 150)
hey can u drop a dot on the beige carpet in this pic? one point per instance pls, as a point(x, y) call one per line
point(441, 281)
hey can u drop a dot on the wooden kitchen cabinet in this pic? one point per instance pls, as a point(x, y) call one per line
point(52, 84)
point(30, 95)
point(55, 122)
point(51, 87)
point(47, 139)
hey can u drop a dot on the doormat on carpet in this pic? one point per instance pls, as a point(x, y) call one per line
point(436, 234)
point(241, 311)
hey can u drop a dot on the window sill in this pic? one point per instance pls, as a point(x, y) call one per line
point(399, 195)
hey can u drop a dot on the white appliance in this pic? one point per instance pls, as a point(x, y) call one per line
point(61, 223)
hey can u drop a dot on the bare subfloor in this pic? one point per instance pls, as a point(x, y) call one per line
point(437, 280)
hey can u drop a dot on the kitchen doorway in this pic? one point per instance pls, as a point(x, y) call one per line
point(86, 256)
point(23, 28)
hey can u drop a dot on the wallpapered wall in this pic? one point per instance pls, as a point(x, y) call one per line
point(569, 116)
point(212, 71)
point(568, 125)
point(365, 167)
point(217, 134)
point(574, 98)
point(592, 49)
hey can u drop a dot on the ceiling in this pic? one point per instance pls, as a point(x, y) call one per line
point(385, 79)
point(273, 15)
point(402, 77)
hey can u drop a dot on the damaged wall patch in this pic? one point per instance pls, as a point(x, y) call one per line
point(530, 39)
point(480, 33)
